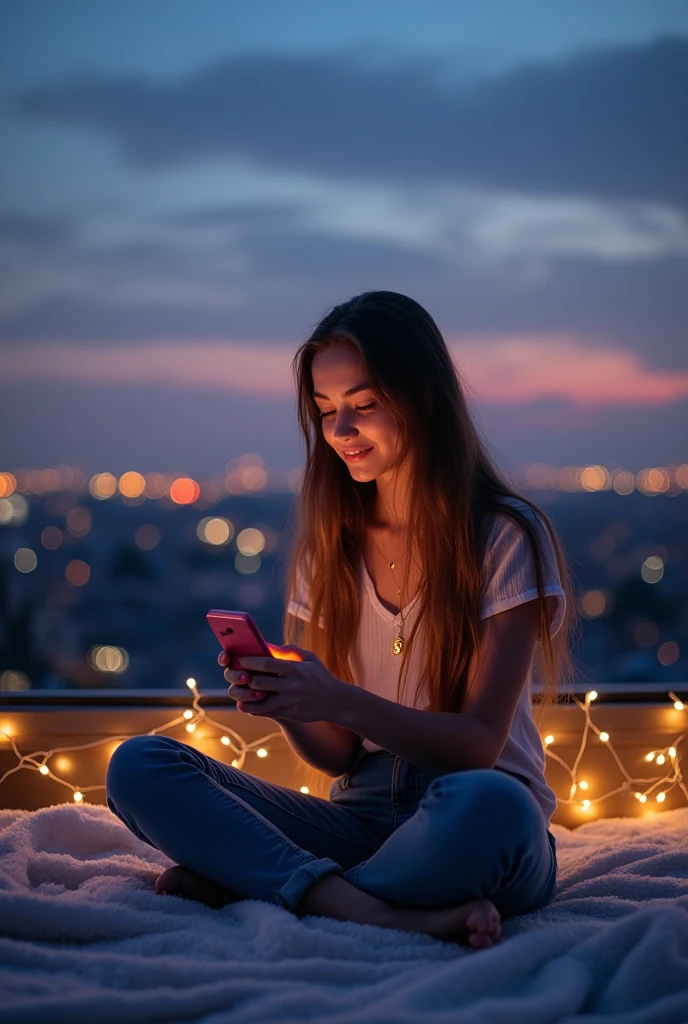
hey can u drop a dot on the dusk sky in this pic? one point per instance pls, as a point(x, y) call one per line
point(186, 188)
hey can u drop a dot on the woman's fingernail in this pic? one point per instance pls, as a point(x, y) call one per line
point(243, 678)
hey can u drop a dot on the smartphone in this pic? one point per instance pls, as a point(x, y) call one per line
point(239, 636)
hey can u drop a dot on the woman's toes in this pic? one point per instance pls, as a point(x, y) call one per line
point(167, 881)
point(484, 924)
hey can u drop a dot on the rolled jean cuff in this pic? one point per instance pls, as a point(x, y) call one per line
point(292, 891)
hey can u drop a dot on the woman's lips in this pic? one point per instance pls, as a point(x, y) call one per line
point(357, 458)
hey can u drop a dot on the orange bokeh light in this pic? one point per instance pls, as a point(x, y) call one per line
point(131, 484)
point(78, 572)
point(184, 491)
point(8, 484)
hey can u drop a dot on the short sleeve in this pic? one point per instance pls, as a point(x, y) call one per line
point(509, 569)
point(299, 605)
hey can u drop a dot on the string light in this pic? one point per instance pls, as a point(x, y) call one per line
point(229, 738)
point(674, 777)
point(238, 746)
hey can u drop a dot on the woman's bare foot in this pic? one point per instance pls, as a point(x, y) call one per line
point(181, 881)
point(476, 924)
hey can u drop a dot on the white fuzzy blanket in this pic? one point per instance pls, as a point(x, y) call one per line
point(84, 938)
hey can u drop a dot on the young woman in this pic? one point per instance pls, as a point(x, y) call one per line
point(413, 561)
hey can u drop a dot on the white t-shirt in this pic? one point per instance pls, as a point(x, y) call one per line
point(510, 576)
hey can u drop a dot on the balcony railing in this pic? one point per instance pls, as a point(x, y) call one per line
point(60, 742)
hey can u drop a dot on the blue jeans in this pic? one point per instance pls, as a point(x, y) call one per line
point(408, 835)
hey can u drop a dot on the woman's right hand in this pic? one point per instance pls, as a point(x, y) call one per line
point(238, 679)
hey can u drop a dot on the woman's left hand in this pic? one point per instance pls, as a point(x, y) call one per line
point(304, 691)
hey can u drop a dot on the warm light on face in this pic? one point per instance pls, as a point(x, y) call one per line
point(353, 420)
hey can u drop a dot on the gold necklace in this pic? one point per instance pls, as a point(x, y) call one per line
point(398, 642)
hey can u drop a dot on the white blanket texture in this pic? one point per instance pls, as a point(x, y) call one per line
point(85, 938)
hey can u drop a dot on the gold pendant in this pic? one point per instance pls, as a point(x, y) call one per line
point(398, 644)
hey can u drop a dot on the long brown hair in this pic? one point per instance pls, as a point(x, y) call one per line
point(454, 487)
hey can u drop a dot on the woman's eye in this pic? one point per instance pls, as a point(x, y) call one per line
point(358, 408)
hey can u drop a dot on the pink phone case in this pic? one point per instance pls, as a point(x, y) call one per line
point(239, 635)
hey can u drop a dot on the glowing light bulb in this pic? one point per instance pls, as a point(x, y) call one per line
point(225, 740)
point(604, 736)
point(583, 785)
point(188, 714)
point(585, 805)
point(78, 796)
point(235, 764)
point(262, 752)
point(650, 756)
point(672, 751)
point(191, 727)
point(191, 683)
point(642, 798)
point(44, 770)
point(661, 797)
point(548, 739)
point(592, 695)
point(660, 759)
point(679, 705)
point(305, 789)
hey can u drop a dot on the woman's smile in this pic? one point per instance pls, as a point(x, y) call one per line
point(356, 454)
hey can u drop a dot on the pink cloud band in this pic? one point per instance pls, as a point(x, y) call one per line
point(504, 370)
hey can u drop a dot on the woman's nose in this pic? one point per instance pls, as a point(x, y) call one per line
point(343, 428)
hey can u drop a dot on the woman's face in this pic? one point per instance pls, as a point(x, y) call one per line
point(353, 421)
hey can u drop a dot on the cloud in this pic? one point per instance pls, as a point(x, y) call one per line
point(507, 370)
point(199, 274)
point(34, 230)
point(608, 123)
